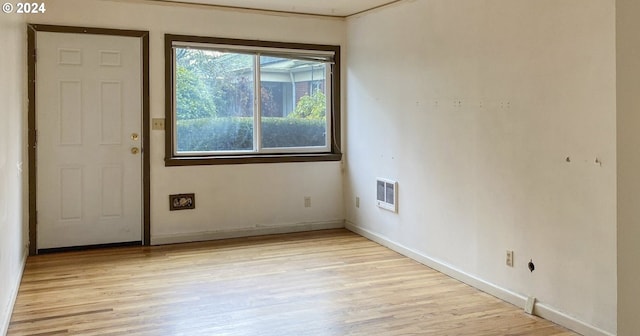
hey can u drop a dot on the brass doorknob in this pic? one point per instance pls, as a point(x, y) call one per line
point(134, 136)
point(135, 150)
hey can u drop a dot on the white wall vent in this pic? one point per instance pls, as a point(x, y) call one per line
point(387, 194)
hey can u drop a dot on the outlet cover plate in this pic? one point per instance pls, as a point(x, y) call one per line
point(528, 307)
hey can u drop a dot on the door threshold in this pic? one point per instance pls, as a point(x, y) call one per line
point(88, 247)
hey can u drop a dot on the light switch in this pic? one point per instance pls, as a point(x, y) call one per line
point(157, 124)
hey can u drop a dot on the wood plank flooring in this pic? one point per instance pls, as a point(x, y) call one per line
point(316, 283)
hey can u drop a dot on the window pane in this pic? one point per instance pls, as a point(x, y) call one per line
point(293, 103)
point(214, 101)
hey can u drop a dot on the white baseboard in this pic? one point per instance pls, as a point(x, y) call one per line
point(6, 318)
point(540, 309)
point(246, 232)
point(553, 315)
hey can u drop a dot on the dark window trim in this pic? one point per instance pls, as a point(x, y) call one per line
point(31, 116)
point(172, 160)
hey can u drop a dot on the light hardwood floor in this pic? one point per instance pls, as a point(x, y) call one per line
point(317, 283)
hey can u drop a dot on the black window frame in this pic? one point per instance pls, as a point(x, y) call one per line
point(172, 159)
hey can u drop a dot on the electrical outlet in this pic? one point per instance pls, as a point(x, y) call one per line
point(509, 258)
point(357, 202)
point(307, 202)
point(157, 124)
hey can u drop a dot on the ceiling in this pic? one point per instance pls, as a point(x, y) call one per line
point(338, 8)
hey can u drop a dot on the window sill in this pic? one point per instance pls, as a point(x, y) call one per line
point(247, 159)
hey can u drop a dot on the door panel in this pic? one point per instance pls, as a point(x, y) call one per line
point(88, 105)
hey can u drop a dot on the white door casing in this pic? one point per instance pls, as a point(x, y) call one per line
point(88, 121)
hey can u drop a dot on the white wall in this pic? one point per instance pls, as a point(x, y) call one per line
point(13, 220)
point(628, 90)
point(232, 197)
point(473, 107)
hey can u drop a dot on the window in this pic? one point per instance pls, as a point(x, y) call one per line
point(241, 101)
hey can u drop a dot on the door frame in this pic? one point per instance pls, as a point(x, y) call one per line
point(32, 29)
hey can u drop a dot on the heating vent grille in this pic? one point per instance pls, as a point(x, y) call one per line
point(387, 194)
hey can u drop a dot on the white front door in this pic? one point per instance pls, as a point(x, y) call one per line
point(88, 154)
